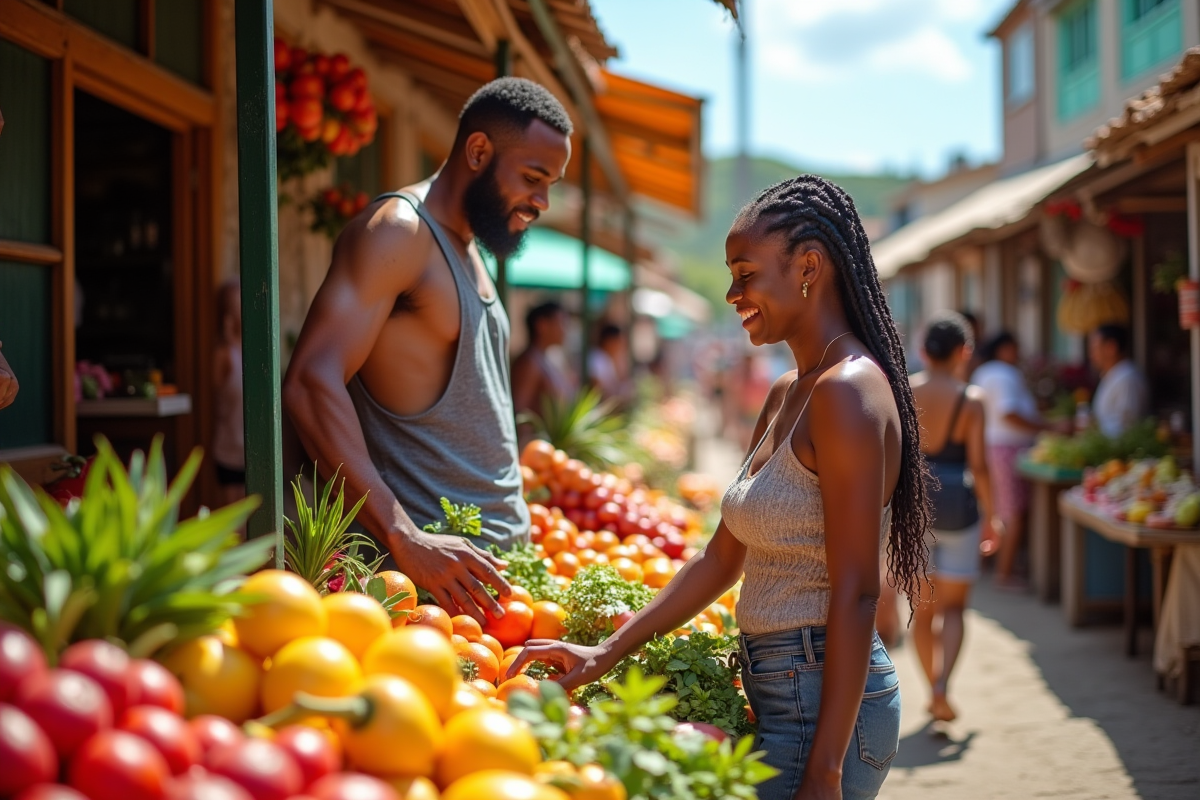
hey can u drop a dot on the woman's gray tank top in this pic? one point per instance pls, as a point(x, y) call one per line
point(464, 447)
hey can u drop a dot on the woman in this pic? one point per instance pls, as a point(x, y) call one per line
point(802, 274)
point(952, 423)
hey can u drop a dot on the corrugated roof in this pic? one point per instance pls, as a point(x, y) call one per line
point(1171, 93)
point(994, 206)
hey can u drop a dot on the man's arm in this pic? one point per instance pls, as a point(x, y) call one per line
point(373, 263)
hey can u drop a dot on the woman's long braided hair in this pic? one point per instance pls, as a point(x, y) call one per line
point(808, 208)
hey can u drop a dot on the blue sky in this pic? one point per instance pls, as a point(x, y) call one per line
point(854, 84)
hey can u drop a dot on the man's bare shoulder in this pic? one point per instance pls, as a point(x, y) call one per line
point(387, 241)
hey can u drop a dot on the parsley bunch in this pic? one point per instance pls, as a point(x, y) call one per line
point(596, 595)
point(529, 572)
point(698, 673)
point(464, 520)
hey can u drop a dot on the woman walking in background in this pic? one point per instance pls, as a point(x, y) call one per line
point(837, 471)
point(952, 438)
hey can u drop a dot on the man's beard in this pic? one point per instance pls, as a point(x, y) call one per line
point(488, 215)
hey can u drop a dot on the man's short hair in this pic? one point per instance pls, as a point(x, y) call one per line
point(1117, 334)
point(996, 342)
point(536, 314)
point(946, 333)
point(509, 106)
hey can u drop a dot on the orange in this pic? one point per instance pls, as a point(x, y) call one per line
point(403, 734)
point(563, 581)
point(316, 665)
point(434, 617)
point(549, 770)
point(637, 540)
point(355, 620)
point(556, 541)
point(493, 645)
point(396, 582)
point(622, 551)
point(484, 688)
point(508, 651)
point(456, 640)
point(514, 627)
point(482, 739)
point(413, 788)
point(519, 594)
point(521, 683)
point(466, 698)
point(598, 785)
point(566, 563)
point(648, 551)
point(602, 558)
point(538, 455)
point(289, 608)
point(420, 655)
point(605, 540)
point(540, 515)
point(548, 620)
point(630, 570)
point(497, 784)
point(216, 678)
point(487, 667)
point(498, 704)
point(507, 662)
point(587, 557)
point(227, 633)
point(657, 572)
point(466, 627)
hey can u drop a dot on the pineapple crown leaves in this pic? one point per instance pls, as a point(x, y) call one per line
point(318, 546)
point(117, 563)
point(377, 588)
point(460, 520)
point(587, 426)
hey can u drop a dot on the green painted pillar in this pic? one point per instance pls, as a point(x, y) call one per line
point(585, 237)
point(259, 249)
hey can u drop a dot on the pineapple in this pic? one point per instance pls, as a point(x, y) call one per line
point(586, 426)
point(318, 546)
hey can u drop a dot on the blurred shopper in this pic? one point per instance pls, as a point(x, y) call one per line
point(952, 438)
point(749, 392)
point(8, 382)
point(976, 360)
point(535, 377)
point(1121, 397)
point(1012, 422)
point(608, 365)
point(229, 435)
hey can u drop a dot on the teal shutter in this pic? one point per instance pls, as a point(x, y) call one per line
point(1151, 35)
point(362, 171)
point(24, 146)
point(179, 37)
point(116, 19)
point(25, 332)
point(1078, 60)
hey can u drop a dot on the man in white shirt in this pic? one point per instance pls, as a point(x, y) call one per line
point(1121, 398)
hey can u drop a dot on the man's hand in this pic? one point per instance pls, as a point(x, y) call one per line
point(8, 384)
point(454, 571)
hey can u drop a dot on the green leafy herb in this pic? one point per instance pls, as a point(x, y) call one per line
point(698, 673)
point(529, 572)
point(596, 595)
point(464, 520)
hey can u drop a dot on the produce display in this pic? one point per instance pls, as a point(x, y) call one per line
point(1091, 448)
point(138, 660)
point(1151, 492)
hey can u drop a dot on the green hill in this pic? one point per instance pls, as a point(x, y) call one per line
point(701, 247)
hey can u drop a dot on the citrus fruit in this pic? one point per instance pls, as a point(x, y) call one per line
point(480, 660)
point(432, 616)
point(548, 770)
point(497, 784)
point(507, 662)
point(520, 683)
point(355, 620)
point(493, 645)
point(514, 627)
point(598, 785)
point(290, 608)
point(630, 570)
point(466, 627)
point(400, 736)
point(216, 678)
point(519, 595)
point(548, 620)
point(314, 664)
point(484, 688)
point(538, 455)
point(421, 655)
point(657, 572)
point(556, 541)
point(396, 582)
point(466, 697)
point(566, 563)
point(483, 739)
point(227, 633)
point(413, 788)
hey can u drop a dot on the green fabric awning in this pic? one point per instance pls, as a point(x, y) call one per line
point(553, 260)
point(674, 326)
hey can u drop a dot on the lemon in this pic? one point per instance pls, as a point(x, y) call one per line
point(289, 609)
point(313, 664)
point(401, 736)
point(355, 620)
point(421, 655)
point(216, 678)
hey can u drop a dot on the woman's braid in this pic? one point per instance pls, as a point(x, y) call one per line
point(809, 208)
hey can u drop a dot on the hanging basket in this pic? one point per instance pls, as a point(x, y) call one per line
point(1086, 306)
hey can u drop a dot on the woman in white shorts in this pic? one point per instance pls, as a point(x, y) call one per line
point(952, 437)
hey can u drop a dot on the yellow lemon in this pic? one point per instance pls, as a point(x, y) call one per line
point(216, 678)
point(314, 664)
point(421, 655)
point(400, 733)
point(498, 784)
point(288, 608)
point(483, 739)
point(355, 620)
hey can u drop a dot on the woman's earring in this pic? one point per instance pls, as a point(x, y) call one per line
point(804, 288)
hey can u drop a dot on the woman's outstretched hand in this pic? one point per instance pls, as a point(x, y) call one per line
point(580, 663)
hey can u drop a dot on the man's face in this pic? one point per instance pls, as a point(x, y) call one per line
point(554, 329)
point(514, 188)
point(1101, 352)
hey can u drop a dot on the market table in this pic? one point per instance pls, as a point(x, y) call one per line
point(1079, 516)
point(1047, 482)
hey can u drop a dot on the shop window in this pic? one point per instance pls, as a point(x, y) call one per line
point(363, 171)
point(1020, 61)
point(116, 19)
point(179, 39)
point(1151, 35)
point(1078, 60)
point(25, 332)
point(25, 145)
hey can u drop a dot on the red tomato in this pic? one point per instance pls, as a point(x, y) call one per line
point(213, 733)
point(169, 734)
point(358, 77)
point(281, 116)
point(609, 512)
point(306, 112)
point(25, 751)
point(360, 201)
point(202, 786)
point(68, 706)
point(262, 768)
point(20, 657)
point(312, 751)
point(283, 55)
point(339, 66)
point(150, 684)
point(299, 57)
point(116, 765)
point(321, 64)
point(351, 786)
point(307, 86)
point(620, 619)
point(49, 791)
point(106, 664)
point(343, 96)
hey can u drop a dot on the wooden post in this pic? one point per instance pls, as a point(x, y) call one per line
point(259, 251)
point(585, 237)
point(1193, 219)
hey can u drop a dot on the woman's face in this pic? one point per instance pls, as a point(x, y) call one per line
point(765, 289)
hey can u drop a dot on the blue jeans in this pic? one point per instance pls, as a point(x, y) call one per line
point(781, 675)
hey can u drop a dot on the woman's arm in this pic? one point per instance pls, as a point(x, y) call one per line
point(977, 453)
point(848, 427)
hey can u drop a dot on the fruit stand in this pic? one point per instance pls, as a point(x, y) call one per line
point(1047, 483)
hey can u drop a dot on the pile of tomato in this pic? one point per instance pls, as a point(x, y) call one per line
point(324, 99)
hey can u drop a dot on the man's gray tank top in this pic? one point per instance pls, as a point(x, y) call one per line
point(464, 447)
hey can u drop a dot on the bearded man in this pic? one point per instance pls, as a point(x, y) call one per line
point(400, 374)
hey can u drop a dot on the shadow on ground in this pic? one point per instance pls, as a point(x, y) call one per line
point(929, 746)
point(1156, 738)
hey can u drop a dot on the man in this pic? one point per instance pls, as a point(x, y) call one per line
point(8, 382)
point(606, 364)
point(400, 374)
point(1120, 399)
point(534, 376)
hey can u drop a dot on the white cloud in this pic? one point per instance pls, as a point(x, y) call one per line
point(928, 51)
